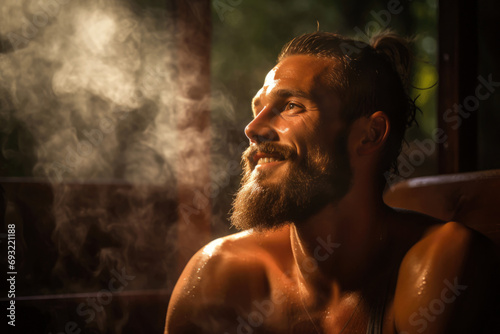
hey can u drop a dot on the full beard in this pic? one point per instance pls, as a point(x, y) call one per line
point(308, 186)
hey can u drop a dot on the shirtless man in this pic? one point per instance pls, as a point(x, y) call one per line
point(321, 252)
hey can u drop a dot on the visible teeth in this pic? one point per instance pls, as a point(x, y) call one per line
point(266, 160)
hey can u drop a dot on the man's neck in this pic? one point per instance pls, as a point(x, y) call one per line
point(338, 246)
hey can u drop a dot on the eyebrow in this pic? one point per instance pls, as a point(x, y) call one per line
point(283, 93)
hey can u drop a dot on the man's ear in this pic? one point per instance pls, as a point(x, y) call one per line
point(375, 133)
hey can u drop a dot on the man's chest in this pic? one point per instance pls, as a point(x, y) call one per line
point(287, 311)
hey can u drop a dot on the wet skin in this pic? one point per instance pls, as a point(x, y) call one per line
point(324, 274)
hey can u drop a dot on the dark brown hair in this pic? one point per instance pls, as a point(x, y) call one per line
point(368, 77)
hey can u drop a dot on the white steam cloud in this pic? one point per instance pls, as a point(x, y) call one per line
point(90, 93)
point(94, 82)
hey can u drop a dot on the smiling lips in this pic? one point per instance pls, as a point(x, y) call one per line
point(267, 154)
point(265, 158)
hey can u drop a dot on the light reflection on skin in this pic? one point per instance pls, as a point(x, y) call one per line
point(269, 81)
point(285, 130)
point(212, 246)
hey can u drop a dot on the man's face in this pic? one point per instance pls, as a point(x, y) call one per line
point(297, 161)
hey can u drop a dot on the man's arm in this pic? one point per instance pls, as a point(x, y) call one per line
point(216, 286)
point(444, 283)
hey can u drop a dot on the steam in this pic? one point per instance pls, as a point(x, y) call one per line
point(95, 73)
point(89, 91)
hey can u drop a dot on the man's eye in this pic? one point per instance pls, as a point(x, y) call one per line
point(292, 106)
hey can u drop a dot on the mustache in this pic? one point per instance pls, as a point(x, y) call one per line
point(282, 151)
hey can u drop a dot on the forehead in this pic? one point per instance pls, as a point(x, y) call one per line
point(307, 69)
point(298, 73)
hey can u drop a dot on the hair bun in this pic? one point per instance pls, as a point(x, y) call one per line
point(396, 50)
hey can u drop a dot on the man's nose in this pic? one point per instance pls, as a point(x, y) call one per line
point(261, 129)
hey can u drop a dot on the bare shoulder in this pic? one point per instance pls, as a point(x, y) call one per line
point(443, 281)
point(220, 282)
